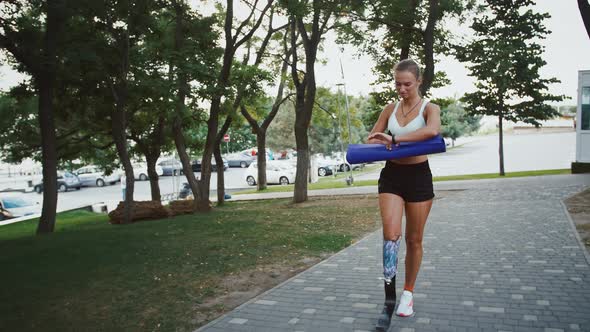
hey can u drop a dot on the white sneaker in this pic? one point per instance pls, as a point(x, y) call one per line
point(406, 305)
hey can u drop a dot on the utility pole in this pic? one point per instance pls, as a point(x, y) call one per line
point(350, 179)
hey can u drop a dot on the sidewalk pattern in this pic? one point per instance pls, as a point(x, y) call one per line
point(498, 257)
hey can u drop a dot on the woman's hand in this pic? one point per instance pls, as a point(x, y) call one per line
point(381, 138)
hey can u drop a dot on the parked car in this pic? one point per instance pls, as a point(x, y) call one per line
point(171, 167)
point(140, 171)
point(254, 151)
point(325, 167)
point(196, 165)
point(185, 191)
point(342, 165)
point(240, 159)
point(14, 206)
point(65, 182)
point(93, 176)
point(276, 173)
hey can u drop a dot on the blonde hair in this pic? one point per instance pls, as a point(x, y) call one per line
point(408, 65)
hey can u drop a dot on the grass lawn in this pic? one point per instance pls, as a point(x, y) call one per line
point(330, 182)
point(166, 275)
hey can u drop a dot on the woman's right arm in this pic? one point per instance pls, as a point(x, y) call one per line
point(381, 123)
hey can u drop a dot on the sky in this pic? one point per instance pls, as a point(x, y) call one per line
point(567, 50)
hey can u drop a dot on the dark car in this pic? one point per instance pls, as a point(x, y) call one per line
point(171, 167)
point(65, 182)
point(185, 191)
point(196, 165)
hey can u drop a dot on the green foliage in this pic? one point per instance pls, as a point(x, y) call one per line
point(20, 137)
point(90, 51)
point(383, 29)
point(505, 58)
point(156, 275)
point(456, 122)
point(328, 129)
point(371, 111)
point(281, 134)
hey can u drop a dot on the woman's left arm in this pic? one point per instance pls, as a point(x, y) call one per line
point(432, 128)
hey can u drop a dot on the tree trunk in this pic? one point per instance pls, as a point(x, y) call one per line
point(428, 78)
point(261, 183)
point(180, 144)
point(212, 124)
point(584, 8)
point(151, 161)
point(305, 100)
point(300, 194)
point(214, 110)
point(220, 175)
point(501, 145)
point(183, 91)
point(406, 42)
point(46, 80)
point(219, 160)
point(152, 153)
point(118, 126)
point(302, 142)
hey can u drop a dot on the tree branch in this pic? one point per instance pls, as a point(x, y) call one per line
point(389, 24)
point(294, 38)
point(255, 27)
point(22, 57)
point(249, 118)
point(245, 22)
point(584, 8)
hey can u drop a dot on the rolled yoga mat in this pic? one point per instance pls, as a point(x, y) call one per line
point(364, 153)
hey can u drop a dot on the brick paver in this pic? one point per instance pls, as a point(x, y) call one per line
point(498, 256)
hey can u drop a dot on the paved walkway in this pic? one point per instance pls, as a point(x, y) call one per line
point(500, 255)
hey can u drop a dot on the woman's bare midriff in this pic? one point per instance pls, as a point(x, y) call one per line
point(410, 160)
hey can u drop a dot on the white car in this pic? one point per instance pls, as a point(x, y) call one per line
point(140, 171)
point(14, 206)
point(93, 176)
point(276, 173)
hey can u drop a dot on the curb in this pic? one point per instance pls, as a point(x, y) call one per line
point(256, 298)
point(578, 237)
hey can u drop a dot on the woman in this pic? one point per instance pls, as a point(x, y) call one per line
point(404, 184)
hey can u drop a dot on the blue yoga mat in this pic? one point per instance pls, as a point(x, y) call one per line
point(364, 153)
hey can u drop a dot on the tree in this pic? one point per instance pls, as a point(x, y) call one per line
point(455, 121)
point(34, 45)
point(584, 8)
point(247, 80)
point(232, 41)
point(193, 55)
point(505, 58)
point(329, 126)
point(309, 22)
point(394, 30)
point(263, 103)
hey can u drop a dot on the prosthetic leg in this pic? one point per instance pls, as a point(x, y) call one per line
point(390, 250)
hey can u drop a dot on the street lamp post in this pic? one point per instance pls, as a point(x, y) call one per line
point(337, 127)
point(350, 179)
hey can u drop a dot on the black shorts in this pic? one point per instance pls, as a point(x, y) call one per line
point(412, 182)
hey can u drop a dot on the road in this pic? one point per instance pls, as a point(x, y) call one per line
point(522, 152)
point(111, 195)
point(471, 156)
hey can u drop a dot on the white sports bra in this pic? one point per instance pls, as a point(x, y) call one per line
point(417, 123)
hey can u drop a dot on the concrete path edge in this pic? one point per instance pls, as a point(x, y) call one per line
point(575, 230)
point(255, 298)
